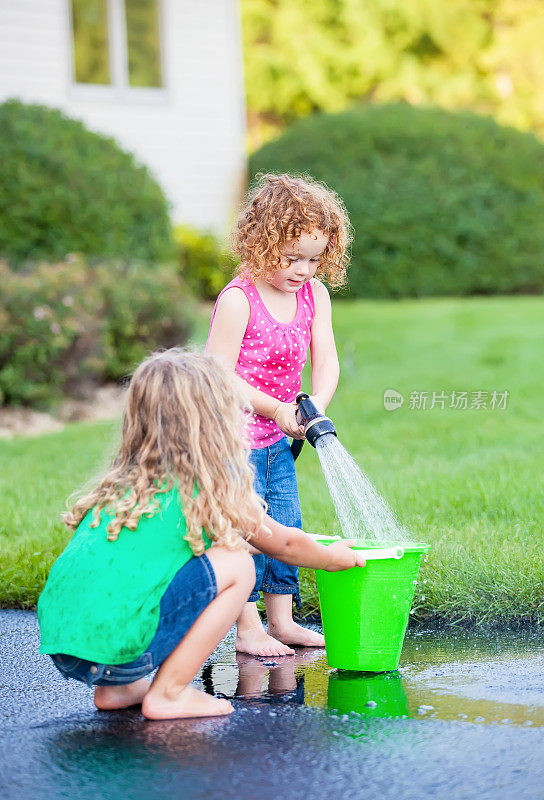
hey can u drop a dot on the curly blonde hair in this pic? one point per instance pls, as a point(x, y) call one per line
point(183, 424)
point(278, 209)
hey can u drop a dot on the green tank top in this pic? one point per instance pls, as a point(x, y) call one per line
point(102, 599)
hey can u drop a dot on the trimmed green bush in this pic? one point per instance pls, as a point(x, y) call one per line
point(441, 203)
point(204, 265)
point(64, 189)
point(67, 326)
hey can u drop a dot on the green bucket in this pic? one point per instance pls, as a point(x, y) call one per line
point(365, 610)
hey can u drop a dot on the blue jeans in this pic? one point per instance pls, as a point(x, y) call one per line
point(190, 591)
point(276, 483)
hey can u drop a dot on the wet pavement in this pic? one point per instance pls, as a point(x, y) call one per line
point(463, 718)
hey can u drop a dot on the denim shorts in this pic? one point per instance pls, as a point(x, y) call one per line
point(276, 482)
point(191, 590)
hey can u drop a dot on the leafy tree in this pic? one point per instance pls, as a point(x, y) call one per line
point(303, 56)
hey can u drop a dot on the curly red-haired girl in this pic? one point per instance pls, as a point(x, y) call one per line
point(292, 233)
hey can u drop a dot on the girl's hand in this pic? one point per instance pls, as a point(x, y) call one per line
point(343, 557)
point(285, 419)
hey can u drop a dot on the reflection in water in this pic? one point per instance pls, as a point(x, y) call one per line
point(284, 684)
point(370, 695)
point(268, 680)
point(486, 679)
point(283, 681)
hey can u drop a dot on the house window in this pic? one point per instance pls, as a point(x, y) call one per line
point(91, 41)
point(117, 43)
point(143, 43)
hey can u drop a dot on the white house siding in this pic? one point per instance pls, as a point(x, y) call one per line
point(191, 134)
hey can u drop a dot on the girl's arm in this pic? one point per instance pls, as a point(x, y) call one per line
point(293, 547)
point(229, 325)
point(225, 339)
point(325, 366)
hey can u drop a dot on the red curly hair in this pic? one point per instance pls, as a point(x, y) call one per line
point(278, 209)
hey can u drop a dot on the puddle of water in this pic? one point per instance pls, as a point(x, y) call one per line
point(298, 727)
point(484, 679)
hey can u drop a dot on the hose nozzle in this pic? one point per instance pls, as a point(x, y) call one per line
point(315, 423)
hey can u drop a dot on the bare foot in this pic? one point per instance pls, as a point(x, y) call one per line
point(189, 702)
point(291, 633)
point(108, 698)
point(257, 642)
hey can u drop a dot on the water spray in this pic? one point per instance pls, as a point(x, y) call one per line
point(315, 423)
point(361, 510)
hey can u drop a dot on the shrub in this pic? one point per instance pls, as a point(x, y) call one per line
point(204, 265)
point(144, 307)
point(66, 326)
point(441, 203)
point(64, 189)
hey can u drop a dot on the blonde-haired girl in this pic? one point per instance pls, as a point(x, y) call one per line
point(292, 232)
point(158, 568)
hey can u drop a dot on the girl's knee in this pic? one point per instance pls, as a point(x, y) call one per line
point(232, 565)
point(248, 565)
point(244, 565)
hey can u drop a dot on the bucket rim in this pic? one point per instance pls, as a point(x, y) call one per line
point(369, 544)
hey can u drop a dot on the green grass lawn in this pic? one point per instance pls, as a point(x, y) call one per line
point(467, 481)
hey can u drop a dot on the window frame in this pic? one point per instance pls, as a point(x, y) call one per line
point(119, 89)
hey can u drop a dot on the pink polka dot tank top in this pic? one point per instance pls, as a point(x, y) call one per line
point(273, 354)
